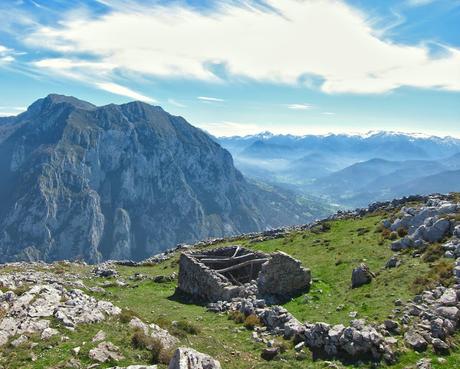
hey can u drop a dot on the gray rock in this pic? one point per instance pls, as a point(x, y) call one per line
point(449, 312)
point(270, 353)
point(437, 231)
point(105, 351)
point(100, 336)
point(361, 275)
point(187, 358)
point(48, 333)
point(393, 262)
point(440, 346)
point(449, 297)
point(415, 340)
point(424, 364)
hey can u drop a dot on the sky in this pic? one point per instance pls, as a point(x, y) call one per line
point(242, 67)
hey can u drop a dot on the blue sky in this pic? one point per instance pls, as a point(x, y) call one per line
point(241, 67)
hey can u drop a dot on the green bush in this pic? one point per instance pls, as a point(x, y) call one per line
point(187, 327)
point(236, 316)
point(402, 232)
point(160, 354)
point(433, 252)
point(126, 315)
point(251, 321)
point(393, 236)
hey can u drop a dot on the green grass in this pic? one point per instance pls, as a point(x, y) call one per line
point(330, 255)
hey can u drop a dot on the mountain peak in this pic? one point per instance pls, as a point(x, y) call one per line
point(55, 99)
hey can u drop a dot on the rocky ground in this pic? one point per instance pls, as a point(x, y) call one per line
point(47, 305)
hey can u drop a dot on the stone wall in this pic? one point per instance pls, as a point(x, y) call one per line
point(201, 282)
point(283, 277)
point(225, 273)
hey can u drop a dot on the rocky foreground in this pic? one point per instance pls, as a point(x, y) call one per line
point(41, 303)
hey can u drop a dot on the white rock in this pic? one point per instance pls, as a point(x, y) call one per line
point(187, 358)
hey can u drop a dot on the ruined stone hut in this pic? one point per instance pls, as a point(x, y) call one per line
point(233, 271)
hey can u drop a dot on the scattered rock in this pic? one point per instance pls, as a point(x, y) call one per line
point(48, 333)
point(361, 275)
point(100, 336)
point(104, 352)
point(270, 353)
point(187, 358)
point(415, 340)
point(393, 262)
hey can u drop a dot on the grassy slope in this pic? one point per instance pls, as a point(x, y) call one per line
point(331, 257)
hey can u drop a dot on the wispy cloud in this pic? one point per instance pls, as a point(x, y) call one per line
point(6, 55)
point(123, 91)
point(176, 103)
point(357, 59)
point(415, 3)
point(299, 106)
point(328, 113)
point(6, 111)
point(210, 99)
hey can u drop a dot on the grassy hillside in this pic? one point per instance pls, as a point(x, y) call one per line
point(331, 256)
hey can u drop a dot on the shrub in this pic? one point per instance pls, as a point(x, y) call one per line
point(393, 236)
point(443, 272)
point(187, 327)
point(402, 232)
point(433, 252)
point(386, 233)
point(282, 346)
point(140, 340)
point(2, 313)
point(236, 316)
point(21, 290)
point(126, 315)
point(160, 355)
point(362, 231)
point(251, 321)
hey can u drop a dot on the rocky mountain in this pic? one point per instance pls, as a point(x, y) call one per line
point(122, 181)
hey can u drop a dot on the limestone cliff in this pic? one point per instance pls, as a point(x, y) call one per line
point(120, 181)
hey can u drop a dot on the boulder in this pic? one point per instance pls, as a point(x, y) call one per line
point(440, 346)
point(393, 262)
point(270, 353)
point(48, 333)
point(361, 275)
point(105, 351)
point(449, 312)
point(187, 358)
point(437, 231)
point(415, 340)
point(424, 364)
point(449, 297)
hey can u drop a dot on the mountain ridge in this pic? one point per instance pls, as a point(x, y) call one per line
point(121, 181)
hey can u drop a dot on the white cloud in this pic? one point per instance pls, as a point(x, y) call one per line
point(123, 91)
point(328, 113)
point(225, 128)
point(324, 38)
point(210, 99)
point(415, 3)
point(6, 55)
point(176, 103)
point(299, 106)
point(6, 111)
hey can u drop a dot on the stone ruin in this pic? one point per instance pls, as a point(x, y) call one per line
point(225, 273)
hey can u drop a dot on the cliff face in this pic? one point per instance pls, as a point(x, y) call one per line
point(80, 181)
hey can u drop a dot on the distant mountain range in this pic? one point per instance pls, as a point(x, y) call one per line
point(350, 170)
point(124, 182)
